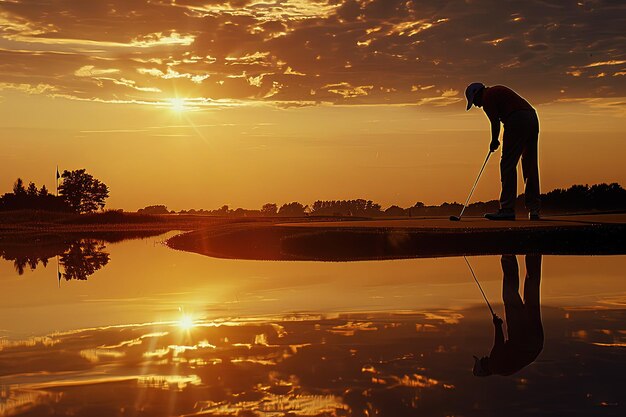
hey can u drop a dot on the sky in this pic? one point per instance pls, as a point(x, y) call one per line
point(200, 103)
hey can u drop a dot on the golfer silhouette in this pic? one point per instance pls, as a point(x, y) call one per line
point(523, 321)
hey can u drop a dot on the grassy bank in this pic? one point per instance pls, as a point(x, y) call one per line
point(40, 222)
point(347, 241)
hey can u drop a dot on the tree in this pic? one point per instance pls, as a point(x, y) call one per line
point(32, 189)
point(43, 191)
point(82, 192)
point(292, 209)
point(395, 211)
point(156, 209)
point(18, 187)
point(269, 209)
point(222, 211)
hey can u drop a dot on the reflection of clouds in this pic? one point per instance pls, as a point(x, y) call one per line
point(617, 344)
point(258, 361)
point(16, 400)
point(136, 341)
point(278, 372)
point(32, 341)
point(94, 355)
point(449, 317)
point(168, 382)
point(415, 380)
point(425, 327)
point(276, 406)
point(301, 366)
point(350, 328)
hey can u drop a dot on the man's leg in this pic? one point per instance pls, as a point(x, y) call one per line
point(512, 148)
point(534, 337)
point(532, 283)
point(530, 166)
point(513, 305)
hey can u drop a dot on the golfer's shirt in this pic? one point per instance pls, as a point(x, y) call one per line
point(500, 101)
point(507, 358)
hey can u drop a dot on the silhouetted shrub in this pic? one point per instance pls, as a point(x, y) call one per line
point(157, 209)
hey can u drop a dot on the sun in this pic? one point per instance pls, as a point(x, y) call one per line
point(178, 105)
point(186, 322)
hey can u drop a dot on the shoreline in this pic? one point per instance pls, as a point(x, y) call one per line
point(336, 239)
point(402, 239)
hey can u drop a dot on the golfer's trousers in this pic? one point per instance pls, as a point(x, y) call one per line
point(523, 317)
point(521, 134)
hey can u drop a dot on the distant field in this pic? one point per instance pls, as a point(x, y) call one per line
point(30, 220)
point(34, 222)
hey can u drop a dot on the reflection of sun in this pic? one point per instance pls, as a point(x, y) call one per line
point(186, 322)
point(177, 104)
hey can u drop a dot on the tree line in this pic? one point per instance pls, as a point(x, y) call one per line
point(79, 192)
point(577, 198)
point(293, 209)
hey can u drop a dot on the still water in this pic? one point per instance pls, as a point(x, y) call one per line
point(135, 328)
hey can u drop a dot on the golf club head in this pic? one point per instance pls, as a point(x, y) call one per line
point(455, 218)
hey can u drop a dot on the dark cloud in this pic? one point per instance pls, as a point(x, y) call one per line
point(349, 10)
point(381, 51)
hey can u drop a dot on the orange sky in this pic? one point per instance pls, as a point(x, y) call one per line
point(195, 104)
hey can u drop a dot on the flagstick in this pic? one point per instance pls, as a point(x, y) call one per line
point(58, 272)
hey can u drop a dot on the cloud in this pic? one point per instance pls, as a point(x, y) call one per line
point(158, 39)
point(346, 90)
point(291, 71)
point(604, 63)
point(28, 88)
point(172, 74)
point(336, 51)
point(91, 71)
point(446, 98)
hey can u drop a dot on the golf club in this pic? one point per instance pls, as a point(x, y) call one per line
point(479, 287)
point(455, 218)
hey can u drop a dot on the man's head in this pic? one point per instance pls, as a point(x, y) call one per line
point(474, 96)
point(481, 366)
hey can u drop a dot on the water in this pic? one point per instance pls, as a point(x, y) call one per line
point(136, 328)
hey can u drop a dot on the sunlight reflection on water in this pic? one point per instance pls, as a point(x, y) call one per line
point(247, 338)
point(354, 364)
point(144, 281)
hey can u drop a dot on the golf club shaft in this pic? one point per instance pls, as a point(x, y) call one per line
point(475, 183)
point(479, 287)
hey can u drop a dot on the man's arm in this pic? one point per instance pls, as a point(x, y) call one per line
point(497, 354)
point(499, 334)
point(495, 134)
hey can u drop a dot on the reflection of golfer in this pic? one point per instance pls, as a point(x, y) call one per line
point(521, 132)
point(523, 321)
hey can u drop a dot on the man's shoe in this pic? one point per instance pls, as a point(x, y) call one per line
point(501, 215)
point(534, 215)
